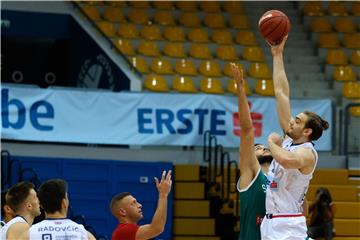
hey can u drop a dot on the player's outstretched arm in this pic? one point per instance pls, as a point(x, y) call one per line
point(281, 86)
point(248, 163)
point(157, 224)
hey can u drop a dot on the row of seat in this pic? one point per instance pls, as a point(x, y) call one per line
point(205, 6)
point(342, 24)
point(195, 50)
point(167, 18)
point(334, 8)
point(185, 84)
point(339, 57)
point(333, 40)
point(177, 34)
point(351, 90)
point(344, 74)
point(208, 68)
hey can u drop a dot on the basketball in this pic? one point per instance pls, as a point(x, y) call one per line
point(274, 25)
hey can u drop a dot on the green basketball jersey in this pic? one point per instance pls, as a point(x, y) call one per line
point(252, 208)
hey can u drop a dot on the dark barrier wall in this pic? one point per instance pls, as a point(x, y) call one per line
point(53, 49)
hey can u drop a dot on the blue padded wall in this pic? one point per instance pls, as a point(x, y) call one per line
point(92, 184)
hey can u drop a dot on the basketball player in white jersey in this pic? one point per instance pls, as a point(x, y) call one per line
point(54, 200)
point(22, 199)
point(294, 162)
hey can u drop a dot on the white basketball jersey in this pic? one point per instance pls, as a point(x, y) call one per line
point(6, 227)
point(54, 229)
point(286, 190)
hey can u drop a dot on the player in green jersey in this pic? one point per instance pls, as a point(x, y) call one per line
point(253, 163)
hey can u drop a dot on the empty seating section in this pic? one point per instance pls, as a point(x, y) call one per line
point(334, 26)
point(174, 40)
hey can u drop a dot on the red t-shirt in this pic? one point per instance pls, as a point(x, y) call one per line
point(125, 231)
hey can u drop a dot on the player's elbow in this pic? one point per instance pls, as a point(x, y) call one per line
point(157, 230)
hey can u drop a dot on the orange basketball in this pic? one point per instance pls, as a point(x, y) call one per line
point(274, 25)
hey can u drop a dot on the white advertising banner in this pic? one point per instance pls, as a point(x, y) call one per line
point(96, 117)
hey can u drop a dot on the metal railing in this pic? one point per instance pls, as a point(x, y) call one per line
point(347, 118)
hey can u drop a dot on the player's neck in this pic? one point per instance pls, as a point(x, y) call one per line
point(300, 140)
point(55, 215)
point(27, 217)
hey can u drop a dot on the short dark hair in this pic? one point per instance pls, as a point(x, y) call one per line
point(51, 193)
point(17, 194)
point(3, 203)
point(116, 199)
point(316, 123)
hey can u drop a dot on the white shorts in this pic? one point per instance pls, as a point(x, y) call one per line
point(283, 228)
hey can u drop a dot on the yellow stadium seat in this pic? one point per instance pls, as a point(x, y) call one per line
point(259, 70)
point(320, 24)
point(246, 38)
point(355, 8)
point(236, 7)
point(199, 50)
point(164, 18)
point(156, 83)
point(228, 72)
point(253, 54)
point(352, 40)
point(355, 57)
point(151, 32)
point(210, 6)
point(222, 36)
point(91, 12)
point(239, 21)
point(355, 111)
point(345, 25)
point(138, 16)
point(116, 3)
point(163, 4)
point(313, 9)
point(173, 49)
point(232, 87)
point(185, 67)
point(328, 40)
point(336, 57)
point(351, 89)
point(139, 4)
point(336, 8)
point(187, 5)
point(124, 46)
point(210, 68)
point(211, 85)
point(264, 87)
point(227, 53)
point(128, 30)
point(198, 35)
point(214, 20)
point(139, 63)
point(161, 66)
point(107, 28)
point(189, 19)
point(114, 14)
point(344, 73)
point(149, 48)
point(184, 84)
point(173, 33)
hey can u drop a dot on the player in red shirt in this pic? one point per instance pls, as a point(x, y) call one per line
point(127, 210)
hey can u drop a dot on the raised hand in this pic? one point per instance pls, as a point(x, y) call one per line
point(238, 75)
point(164, 186)
point(278, 49)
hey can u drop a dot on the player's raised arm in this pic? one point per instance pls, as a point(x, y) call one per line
point(281, 86)
point(247, 162)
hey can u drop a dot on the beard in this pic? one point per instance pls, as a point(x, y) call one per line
point(265, 159)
